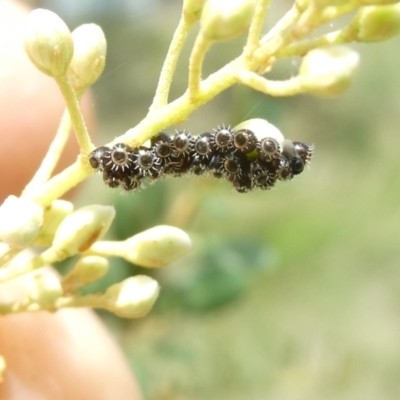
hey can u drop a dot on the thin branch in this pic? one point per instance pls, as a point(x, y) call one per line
point(168, 69)
point(256, 28)
point(78, 123)
point(282, 25)
point(288, 87)
point(200, 48)
point(77, 300)
point(62, 182)
point(52, 156)
point(302, 47)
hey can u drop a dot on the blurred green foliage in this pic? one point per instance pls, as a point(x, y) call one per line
point(289, 294)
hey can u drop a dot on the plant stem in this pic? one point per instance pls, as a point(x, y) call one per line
point(77, 300)
point(106, 248)
point(52, 156)
point(304, 46)
point(256, 28)
point(169, 66)
point(62, 182)
point(288, 87)
point(283, 25)
point(279, 37)
point(78, 123)
point(200, 47)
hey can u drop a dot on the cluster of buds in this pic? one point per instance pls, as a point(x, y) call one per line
point(56, 51)
point(79, 233)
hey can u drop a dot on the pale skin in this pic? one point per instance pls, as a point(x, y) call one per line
point(68, 354)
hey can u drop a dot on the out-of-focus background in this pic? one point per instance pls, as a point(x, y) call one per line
point(289, 294)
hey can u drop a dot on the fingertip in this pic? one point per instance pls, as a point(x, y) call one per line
point(66, 355)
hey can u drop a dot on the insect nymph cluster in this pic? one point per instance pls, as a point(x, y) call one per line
point(245, 156)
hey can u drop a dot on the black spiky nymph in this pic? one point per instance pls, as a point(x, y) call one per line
point(238, 156)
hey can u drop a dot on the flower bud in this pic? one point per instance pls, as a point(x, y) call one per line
point(226, 19)
point(20, 221)
point(87, 269)
point(262, 128)
point(156, 247)
point(43, 290)
point(79, 230)
point(48, 42)
point(193, 8)
point(132, 298)
point(328, 71)
point(53, 215)
point(90, 47)
point(376, 23)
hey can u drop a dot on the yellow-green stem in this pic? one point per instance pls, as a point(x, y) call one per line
point(289, 87)
point(168, 69)
point(255, 29)
point(106, 248)
point(304, 46)
point(78, 123)
point(61, 183)
point(200, 47)
point(52, 156)
point(283, 25)
point(76, 300)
